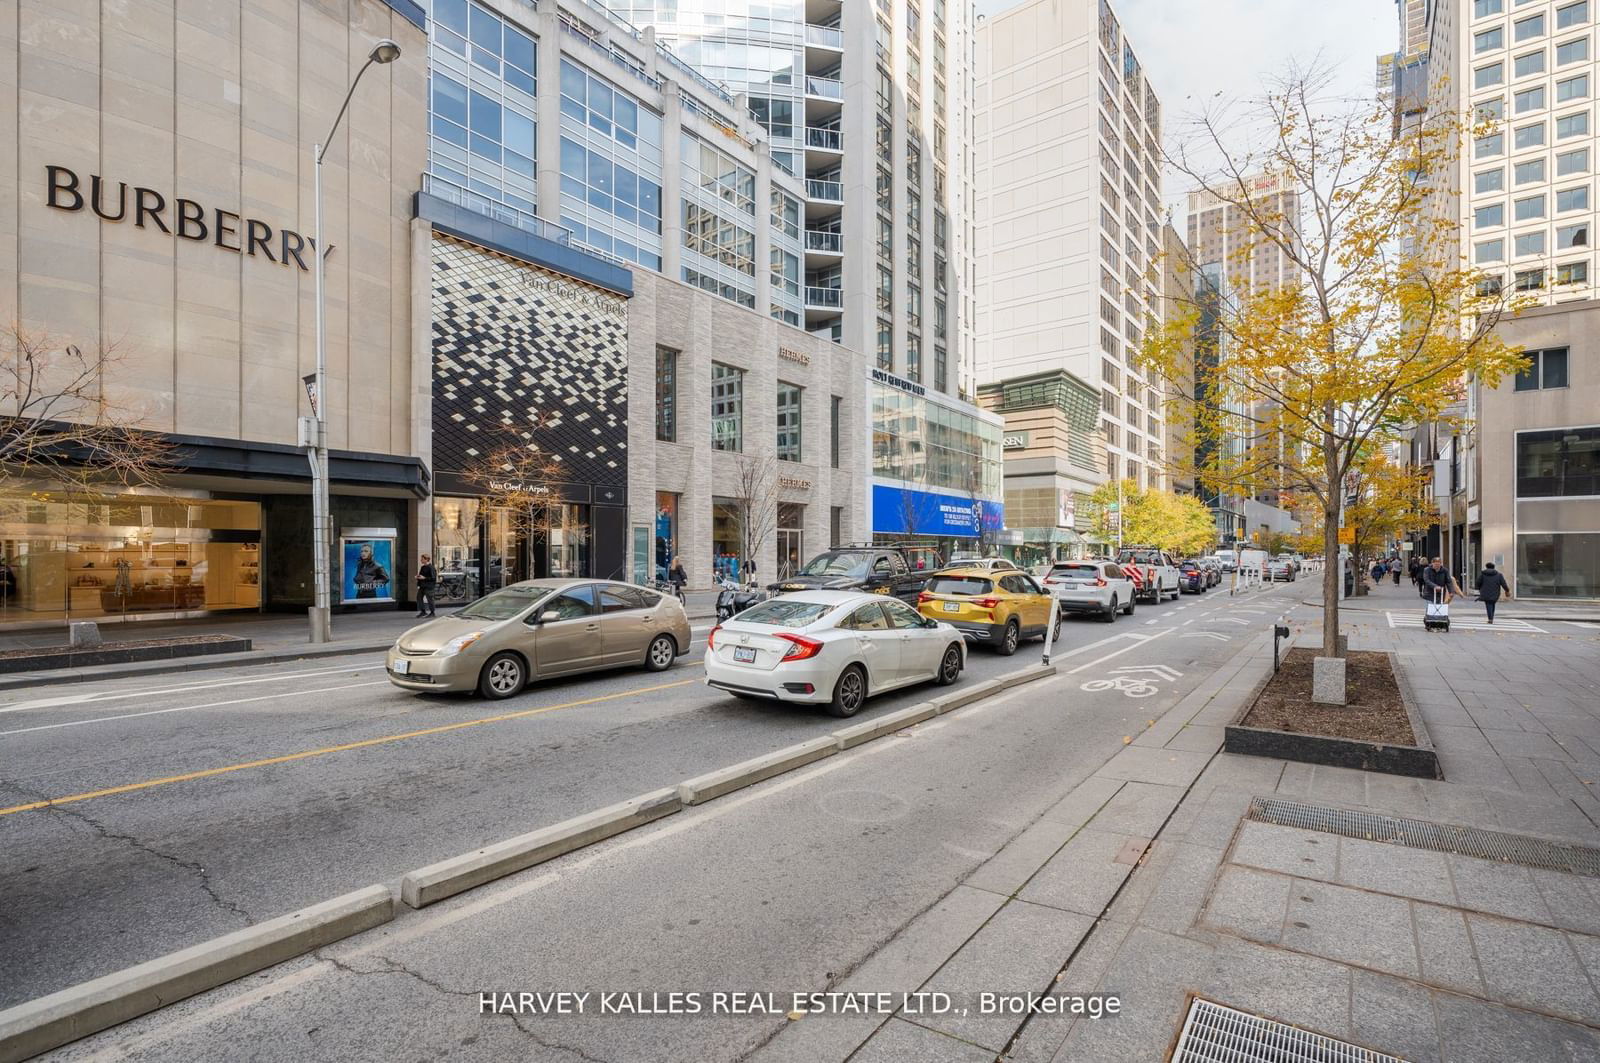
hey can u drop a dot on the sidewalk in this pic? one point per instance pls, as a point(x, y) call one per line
point(273, 638)
point(1405, 597)
point(1157, 881)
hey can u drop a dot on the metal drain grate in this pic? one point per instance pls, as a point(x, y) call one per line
point(1214, 1033)
point(1419, 834)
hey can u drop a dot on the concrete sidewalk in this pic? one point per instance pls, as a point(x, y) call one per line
point(1176, 893)
point(1405, 597)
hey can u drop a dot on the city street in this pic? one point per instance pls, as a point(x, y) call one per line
point(223, 799)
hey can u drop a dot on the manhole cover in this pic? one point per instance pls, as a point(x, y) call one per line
point(1215, 1033)
point(1420, 834)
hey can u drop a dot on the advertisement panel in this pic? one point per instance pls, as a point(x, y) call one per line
point(932, 513)
point(367, 569)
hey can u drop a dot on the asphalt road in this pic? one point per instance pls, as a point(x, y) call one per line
point(225, 798)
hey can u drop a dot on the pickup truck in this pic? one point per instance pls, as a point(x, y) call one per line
point(1153, 572)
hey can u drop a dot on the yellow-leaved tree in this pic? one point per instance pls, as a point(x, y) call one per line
point(1390, 501)
point(1177, 523)
point(1377, 322)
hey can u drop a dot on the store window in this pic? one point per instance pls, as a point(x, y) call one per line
point(666, 532)
point(791, 538)
point(457, 549)
point(1558, 565)
point(667, 394)
point(93, 556)
point(508, 553)
point(789, 413)
point(1560, 463)
point(727, 407)
point(726, 562)
point(567, 541)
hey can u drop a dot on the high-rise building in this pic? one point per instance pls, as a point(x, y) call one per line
point(1222, 232)
point(1070, 212)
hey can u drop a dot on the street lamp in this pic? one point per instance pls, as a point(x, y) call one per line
point(385, 51)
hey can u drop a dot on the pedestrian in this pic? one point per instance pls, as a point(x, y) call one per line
point(1435, 578)
point(427, 580)
point(1378, 569)
point(1416, 570)
point(1491, 584)
point(677, 576)
point(1394, 570)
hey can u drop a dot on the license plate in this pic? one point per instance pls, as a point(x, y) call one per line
point(402, 666)
point(952, 607)
point(744, 654)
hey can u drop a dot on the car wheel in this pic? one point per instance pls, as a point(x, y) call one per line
point(503, 675)
point(1110, 616)
point(661, 653)
point(950, 666)
point(1009, 639)
point(1131, 606)
point(1055, 628)
point(849, 693)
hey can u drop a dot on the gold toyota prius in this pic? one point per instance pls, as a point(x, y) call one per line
point(537, 629)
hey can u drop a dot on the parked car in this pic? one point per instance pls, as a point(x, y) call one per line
point(1213, 569)
point(990, 563)
point(831, 648)
point(997, 608)
point(1280, 568)
point(1099, 587)
point(892, 570)
point(536, 629)
point(1152, 570)
point(1192, 578)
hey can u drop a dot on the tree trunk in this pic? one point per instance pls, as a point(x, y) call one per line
point(1361, 565)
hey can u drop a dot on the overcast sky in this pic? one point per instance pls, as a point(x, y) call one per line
point(1192, 50)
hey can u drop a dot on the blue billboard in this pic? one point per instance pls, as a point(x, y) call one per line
point(931, 513)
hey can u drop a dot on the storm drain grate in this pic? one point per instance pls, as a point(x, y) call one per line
point(1439, 837)
point(1213, 1033)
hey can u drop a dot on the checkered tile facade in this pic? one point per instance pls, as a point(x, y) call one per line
point(525, 347)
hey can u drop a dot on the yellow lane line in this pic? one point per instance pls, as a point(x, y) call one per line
point(285, 759)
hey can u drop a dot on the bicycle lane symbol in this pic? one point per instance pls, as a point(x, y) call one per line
point(1135, 681)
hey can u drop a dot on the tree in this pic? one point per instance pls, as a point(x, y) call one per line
point(754, 491)
point(59, 427)
point(1181, 524)
point(1390, 500)
point(1380, 322)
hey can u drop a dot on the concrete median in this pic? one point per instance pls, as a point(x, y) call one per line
point(428, 885)
point(849, 737)
point(713, 784)
point(49, 1022)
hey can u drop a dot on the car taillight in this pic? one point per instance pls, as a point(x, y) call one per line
point(711, 637)
point(924, 596)
point(800, 647)
point(1099, 581)
point(986, 603)
point(1048, 581)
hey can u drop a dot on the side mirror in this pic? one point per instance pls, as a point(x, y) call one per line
point(544, 616)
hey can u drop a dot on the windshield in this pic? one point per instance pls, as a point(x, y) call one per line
point(1075, 570)
point(1144, 557)
point(837, 563)
point(502, 604)
point(959, 585)
point(785, 612)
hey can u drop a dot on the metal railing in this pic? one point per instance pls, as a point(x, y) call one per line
point(824, 138)
point(827, 88)
point(576, 29)
point(817, 240)
point(451, 192)
point(665, 53)
point(825, 298)
point(827, 191)
point(827, 36)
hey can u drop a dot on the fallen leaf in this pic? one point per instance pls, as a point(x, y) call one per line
point(1127, 739)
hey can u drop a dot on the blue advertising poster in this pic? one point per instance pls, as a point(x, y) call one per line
point(368, 570)
point(931, 513)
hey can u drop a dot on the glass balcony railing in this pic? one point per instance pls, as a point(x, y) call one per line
point(828, 139)
point(821, 241)
point(462, 197)
point(827, 88)
point(826, 36)
point(826, 191)
point(824, 298)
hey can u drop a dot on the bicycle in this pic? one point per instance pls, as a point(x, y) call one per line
point(1131, 686)
point(668, 587)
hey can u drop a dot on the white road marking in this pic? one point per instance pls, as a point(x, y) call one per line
point(1143, 640)
point(1189, 621)
point(1219, 636)
point(113, 695)
point(187, 708)
point(1149, 622)
point(1582, 623)
point(1409, 620)
point(1233, 620)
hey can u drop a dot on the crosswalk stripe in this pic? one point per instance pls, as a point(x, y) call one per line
point(1508, 624)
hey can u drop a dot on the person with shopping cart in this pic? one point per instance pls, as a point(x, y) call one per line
point(1438, 587)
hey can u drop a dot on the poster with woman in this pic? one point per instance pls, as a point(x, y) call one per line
point(367, 567)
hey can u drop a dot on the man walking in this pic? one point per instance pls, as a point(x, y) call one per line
point(1491, 584)
point(1394, 570)
point(427, 579)
point(1434, 577)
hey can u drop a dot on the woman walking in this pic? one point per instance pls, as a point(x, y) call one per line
point(1491, 584)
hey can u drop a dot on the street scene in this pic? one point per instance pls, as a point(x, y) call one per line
point(1000, 531)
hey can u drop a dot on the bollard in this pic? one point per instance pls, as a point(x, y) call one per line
point(1279, 631)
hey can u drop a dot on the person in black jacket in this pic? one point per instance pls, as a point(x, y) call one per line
point(427, 579)
point(1435, 577)
point(1491, 584)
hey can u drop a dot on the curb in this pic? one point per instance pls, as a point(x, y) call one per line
point(861, 733)
point(195, 664)
point(49, 1022)
point(712, 784)
point(428, 885)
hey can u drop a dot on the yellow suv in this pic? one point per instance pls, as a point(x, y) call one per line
point(996, 607)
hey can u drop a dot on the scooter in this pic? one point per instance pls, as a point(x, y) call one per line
point(733, 599)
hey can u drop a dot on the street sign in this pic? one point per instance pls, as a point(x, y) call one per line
point(310, 380)
point(1347, 536)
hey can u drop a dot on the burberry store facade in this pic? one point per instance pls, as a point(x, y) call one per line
point(159, 207)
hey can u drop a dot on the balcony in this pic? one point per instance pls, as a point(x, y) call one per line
point(831, 243)
point(824, 88)
point(826, 139)
point(824, 298)
point(825, 37)
point(824, 191)
point(451, 192)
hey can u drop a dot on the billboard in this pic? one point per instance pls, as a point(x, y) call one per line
point(932, 513)
point(367, 570)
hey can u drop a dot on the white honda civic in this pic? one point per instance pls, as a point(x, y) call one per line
point(832, 648)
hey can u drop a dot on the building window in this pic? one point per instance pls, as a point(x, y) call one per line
point(1572, 14)
point(1572, 89)
point(1487, 217)
point(1524, 65)
point(1489, 180)
point(667, 394)
point(1572, 236)
point(1558, 565)
point(1485, 76)
point(791, 538)
point(1572, 51)
point(719, 239)
point(1481, 8)
point(1490, 110)
point(1529, 28)
point(1529, 99)
point(835, 525)
point(785, 213)
point(1529, 136)
point(1530, 171)
point(1530, 208)
point(941, 367)
point(1489, 251)
point(666, 532)
point(1572, 125)
point(1546, 370)
point(785, 271)
point(1573, 198)
point(1491, 145)
point(885, 345)
point(1529, 280)
point(1560, 463)
point(789, 419)
point(914, 357)
point(836, 410)
point(885, 290)
point(727, 407)
point(1490, 287)
point(1489, 40)
point(1572, 162)
point(1572, 273)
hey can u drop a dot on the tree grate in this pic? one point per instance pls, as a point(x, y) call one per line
point(1215, 1033)
point(1420, 834)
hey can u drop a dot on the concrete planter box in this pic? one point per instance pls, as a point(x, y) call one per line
point(121, 653)
point(1419, 761)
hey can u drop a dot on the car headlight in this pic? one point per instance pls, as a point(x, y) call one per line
point(457, 644)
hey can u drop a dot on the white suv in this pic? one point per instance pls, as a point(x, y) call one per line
point(1091, 587)
point(991, 563)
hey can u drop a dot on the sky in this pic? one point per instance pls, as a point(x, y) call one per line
point(1193, 50)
